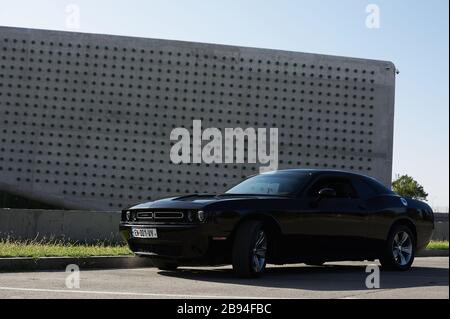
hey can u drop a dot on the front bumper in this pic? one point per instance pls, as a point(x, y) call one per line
point(181, 243)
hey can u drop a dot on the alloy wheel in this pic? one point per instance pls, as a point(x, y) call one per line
point(259, 252)
point(402, 248)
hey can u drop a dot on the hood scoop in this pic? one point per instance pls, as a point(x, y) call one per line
point(194, 197)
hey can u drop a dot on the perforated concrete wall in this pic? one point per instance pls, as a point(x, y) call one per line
point(86, 119)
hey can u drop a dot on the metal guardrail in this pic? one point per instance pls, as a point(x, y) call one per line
point(441, 217)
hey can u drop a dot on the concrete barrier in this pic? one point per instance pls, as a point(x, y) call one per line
point(90, 227)
point(441, 226)
point(60, 263)
point(70, 226)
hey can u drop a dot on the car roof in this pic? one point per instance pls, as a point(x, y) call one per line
point(319, 171)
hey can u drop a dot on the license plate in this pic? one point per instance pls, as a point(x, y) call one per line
point(144, 233)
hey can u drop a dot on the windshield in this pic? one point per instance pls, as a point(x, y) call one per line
point(272, 184)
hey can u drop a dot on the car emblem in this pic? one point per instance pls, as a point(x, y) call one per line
point(404, 201)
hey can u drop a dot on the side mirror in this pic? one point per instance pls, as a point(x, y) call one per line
point(327, 193)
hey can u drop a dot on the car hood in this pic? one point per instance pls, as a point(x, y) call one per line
point(196, 201)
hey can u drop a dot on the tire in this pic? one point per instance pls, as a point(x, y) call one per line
point(249, 253)
point(399, 252)
point(165, 265)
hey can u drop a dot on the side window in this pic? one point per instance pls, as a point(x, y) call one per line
point(379, 188)
point(364, 189)
point(342, 186)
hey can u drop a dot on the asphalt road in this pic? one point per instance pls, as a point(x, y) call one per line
point(428, 279)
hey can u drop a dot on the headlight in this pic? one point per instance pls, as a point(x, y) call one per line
point(201, 215)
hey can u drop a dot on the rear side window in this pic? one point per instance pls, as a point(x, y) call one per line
point(364, 189)
point(342, 186)
point(379, 188)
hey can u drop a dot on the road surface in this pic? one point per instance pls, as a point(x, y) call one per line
point(428, 279)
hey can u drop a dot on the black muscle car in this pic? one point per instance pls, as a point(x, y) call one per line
point(288, 216)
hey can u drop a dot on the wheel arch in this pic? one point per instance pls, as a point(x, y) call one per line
point(405, 222)
point(270, 224)
point(269, 221)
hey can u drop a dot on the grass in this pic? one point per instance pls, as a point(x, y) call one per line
point(38, 249)
point(438, 245)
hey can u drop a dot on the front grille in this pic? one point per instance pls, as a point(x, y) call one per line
point(146, 216)
point(169, 215)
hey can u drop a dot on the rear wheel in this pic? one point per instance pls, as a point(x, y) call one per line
point(165, 265)
point(399, 250)
point(250, 249)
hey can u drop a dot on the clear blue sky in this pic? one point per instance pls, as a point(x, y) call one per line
point(413, 34)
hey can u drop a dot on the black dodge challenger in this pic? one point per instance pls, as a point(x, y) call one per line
point(288, 216)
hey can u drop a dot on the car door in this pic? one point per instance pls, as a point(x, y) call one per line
point(334, 226)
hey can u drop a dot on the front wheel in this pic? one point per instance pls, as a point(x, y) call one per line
point(399, 250)
point(250, 249)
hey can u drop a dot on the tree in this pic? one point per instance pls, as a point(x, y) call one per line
point(408, 187)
